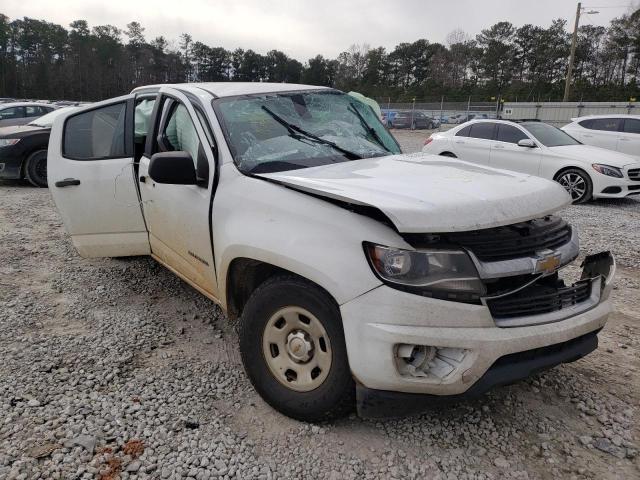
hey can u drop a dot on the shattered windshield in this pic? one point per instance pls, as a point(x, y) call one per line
point(287, 131)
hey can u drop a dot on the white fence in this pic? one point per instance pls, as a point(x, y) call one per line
point(561, 113)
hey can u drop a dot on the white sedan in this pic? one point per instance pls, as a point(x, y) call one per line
point(614, 132)
point(540, 149)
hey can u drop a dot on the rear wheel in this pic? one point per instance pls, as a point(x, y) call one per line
point(35, 169)
point(448, 154)
point(577, 183)
point(293, 350)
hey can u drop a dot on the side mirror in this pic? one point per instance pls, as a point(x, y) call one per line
point(172, 167)
point(527, 142)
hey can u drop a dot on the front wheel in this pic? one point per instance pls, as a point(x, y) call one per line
point(293, 350)
point(577, 183)
point(36, 168)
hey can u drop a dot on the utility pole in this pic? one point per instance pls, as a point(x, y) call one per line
point(574, 41)
point(572, 56)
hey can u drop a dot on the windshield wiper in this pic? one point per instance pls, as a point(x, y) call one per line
point(295, 131)
point(369, 128)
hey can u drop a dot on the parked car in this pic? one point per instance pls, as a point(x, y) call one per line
point(414, 120)
point(20, 113)
point(356, 272)
point(613, 132)
point(23, 149)
point(540, 149)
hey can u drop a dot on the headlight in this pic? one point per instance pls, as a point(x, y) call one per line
point(607, 170)
point(5, 142)
point(445, 274)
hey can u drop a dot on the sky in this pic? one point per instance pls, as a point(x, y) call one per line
point(304, 28)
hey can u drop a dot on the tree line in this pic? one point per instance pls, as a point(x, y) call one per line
point(39, 59)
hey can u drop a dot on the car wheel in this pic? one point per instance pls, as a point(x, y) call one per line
point(577, 183)
point(448, 154)
point(36, 168)
point(293, 350)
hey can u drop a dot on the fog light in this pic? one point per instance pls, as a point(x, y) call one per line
point(426, 361)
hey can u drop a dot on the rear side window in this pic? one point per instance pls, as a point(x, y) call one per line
point(11, 112)
point(464, 132)
point(631, 125)
point(482, 130)
point(510, 134)
point(604, 124)
point(96, 134)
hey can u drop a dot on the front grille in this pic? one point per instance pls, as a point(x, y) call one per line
point(634, 174)
point(539, 299)
point(513, 241)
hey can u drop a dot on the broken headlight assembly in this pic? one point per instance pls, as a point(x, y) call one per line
point(443, 274)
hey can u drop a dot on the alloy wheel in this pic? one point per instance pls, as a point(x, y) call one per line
point(574, 184)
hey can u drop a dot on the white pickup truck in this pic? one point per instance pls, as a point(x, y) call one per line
point(358, 275)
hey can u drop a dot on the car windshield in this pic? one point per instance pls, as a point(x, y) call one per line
point(287, 131)
point(548, 135)
point(47, 120)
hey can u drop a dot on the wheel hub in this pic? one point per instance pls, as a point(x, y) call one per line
point(297, 349)
point(299, 346)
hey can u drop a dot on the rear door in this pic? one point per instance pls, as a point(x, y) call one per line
point(31, 112)
point(600, 132)
point(629, 138)
point(92, 179)
point(476, 147)
point(505, 152)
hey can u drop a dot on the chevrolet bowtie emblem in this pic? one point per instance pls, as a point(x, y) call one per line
point(548, 264)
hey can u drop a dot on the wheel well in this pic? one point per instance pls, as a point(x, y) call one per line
point(448, 154)
point(244, 276)
point(564, 169)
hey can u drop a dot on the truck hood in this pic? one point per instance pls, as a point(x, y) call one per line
point(423, 193)
point(590, 154)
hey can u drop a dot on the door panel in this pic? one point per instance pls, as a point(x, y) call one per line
point(512, 157)
point(600, 132)
point(91, 179)
point(177, 216)
point(505, 152)
point(476, 147)
point(629, 138)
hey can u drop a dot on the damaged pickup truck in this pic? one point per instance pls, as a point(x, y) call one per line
point(358, 276)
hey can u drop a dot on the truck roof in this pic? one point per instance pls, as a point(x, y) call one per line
point(230, 89)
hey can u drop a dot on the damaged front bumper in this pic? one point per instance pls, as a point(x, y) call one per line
point(470, 352)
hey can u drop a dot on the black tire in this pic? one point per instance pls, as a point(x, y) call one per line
point(577, 183)
point(448, 154)
point(35, 169)
point(335, 396)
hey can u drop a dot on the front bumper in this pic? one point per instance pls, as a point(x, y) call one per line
point(612, 187)
point(10, 162)
point(376, 323)
point(508, 369)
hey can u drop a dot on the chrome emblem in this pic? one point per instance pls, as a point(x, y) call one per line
point(548, 264)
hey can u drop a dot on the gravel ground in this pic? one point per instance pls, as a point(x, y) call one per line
point(114, 368)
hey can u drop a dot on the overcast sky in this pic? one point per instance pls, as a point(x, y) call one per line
point(305, 28)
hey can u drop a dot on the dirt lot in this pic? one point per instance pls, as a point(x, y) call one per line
point(115, 368)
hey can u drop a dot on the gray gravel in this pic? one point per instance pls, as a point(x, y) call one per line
point(114, 368)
